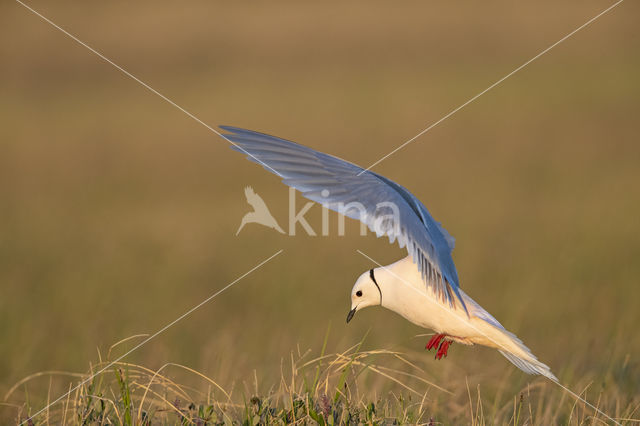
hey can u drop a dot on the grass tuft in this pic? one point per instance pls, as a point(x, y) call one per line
point(330, 389)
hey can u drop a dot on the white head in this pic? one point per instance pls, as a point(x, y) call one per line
point(365, 292)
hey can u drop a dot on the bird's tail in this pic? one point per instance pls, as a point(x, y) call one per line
point(494, 335)
point(242, 223)
point(519, 355)
point(530, 366)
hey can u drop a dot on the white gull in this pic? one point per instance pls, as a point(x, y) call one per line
point(422, 287)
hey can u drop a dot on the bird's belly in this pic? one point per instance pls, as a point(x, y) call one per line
point(430, 312)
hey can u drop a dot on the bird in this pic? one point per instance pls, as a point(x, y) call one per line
point(422, 287)
point(260, 213)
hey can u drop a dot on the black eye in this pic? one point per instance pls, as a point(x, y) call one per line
point(359, 293)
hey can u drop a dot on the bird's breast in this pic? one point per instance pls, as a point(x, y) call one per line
point(424, 309)
point(406, 293)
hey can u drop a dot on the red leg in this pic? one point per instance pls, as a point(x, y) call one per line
point(442, 351)
point(435, 341)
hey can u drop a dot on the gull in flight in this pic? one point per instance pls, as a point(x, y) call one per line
point(422, 287)
point(260, 213)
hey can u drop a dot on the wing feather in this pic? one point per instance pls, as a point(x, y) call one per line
point(314, 173)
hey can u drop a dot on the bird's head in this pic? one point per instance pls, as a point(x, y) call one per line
point(365, 292)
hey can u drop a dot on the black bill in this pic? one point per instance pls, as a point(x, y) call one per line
point(351, 314)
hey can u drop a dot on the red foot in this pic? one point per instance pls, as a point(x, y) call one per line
point(435, 341)
point(442, 351)
point(439, 341)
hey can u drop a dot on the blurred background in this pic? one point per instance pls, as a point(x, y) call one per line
point(118, 212)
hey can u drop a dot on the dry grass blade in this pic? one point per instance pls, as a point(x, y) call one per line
point(40, 374)
point(126, 339)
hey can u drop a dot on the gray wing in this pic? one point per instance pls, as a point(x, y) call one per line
point(384, 206)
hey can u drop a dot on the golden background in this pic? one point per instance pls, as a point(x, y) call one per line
point(118, 212)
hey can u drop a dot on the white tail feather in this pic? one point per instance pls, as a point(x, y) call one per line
point(530, 366)
point(495, 335)
point(520, 356)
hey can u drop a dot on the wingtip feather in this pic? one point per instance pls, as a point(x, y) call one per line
point(534, 366)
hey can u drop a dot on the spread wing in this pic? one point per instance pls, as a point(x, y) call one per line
point(384, 206)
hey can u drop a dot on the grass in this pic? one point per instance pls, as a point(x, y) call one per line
point(328, 389)
point(323, 389)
